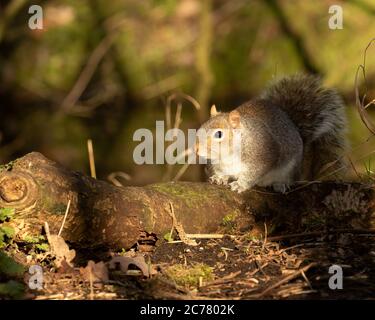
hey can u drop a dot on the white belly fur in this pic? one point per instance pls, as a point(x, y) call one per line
point(231, 167)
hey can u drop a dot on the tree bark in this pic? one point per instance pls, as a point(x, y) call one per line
point(102, 214)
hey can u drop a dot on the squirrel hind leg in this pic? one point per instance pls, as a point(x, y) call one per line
point(325, 159)
point(281, 178)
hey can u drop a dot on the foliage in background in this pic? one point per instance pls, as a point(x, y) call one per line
point(102, 69)
point(6, 232)
point(10, 275)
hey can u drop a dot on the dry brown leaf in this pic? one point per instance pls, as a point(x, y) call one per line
point(59, 248)
point(125, 262)
point(65, 268)
point(98, 271)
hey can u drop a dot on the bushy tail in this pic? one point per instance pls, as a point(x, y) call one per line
point(318, 113)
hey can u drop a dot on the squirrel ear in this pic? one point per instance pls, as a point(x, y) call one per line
point(213, 111)
point(234, 119)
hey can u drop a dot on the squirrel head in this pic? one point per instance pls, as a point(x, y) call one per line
point(215, 136)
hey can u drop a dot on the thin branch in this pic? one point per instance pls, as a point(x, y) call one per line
point(177, 122)
point(114, 175)
point(66, 214)
point(87, 72)
point(90, 149)
point(361, 107)
point(285, 280)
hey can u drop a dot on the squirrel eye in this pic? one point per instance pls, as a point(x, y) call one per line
point(218, 134)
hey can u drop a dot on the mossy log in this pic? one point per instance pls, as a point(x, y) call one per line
point(101, 214)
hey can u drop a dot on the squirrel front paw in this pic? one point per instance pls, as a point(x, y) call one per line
point(239, 186)
point(221, 180)
point(280, 187)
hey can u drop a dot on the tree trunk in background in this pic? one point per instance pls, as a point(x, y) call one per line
point(203, 64)
point(103, 214)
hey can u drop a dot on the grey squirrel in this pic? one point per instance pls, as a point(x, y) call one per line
point(293, 131)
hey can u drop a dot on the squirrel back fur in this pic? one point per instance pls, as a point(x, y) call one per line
point(315, 110)
point(319, 114)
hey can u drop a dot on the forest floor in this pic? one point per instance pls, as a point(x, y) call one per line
point(227, 268)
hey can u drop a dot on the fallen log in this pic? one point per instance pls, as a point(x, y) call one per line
point(117, 217)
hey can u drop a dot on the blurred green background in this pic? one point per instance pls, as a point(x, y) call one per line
point(102, 69)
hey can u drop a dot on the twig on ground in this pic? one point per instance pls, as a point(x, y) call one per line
point(321, 233)
point(205, 235)
point(113, 178)
point(66, 214)
point(284, 280)
point(179, 228)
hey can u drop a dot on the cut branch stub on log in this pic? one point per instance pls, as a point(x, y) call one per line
point(102, 214)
